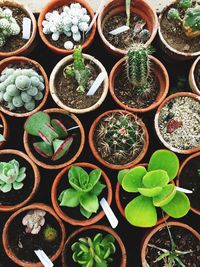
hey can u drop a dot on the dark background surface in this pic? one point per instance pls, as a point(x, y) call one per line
point(130, 235)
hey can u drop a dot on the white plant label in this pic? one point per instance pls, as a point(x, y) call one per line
point(100, 78)
point(119, 30)
point(95, 16)
point(26, 28)
point(184, 190)
point(109, 213)
point(44, 258)
point(73, 128)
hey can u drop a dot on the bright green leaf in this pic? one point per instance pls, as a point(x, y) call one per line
point(155, 178)
point(98, 188)
point(94, 176)
point(89, 202)
point(133, 179)
point(165, 196)
point(150, 192)
point(69, 198)
point(17, 185)
point(78, 178)
point(121, 175)
point(85, 213)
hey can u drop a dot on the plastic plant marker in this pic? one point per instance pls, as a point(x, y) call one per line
point(187, 191)
point(73, 128)
point(26, 28)
point(119, 30)
point(167, 194)
point(133, 179)
point(109, 213)
point(44, 258)
point(100, 78)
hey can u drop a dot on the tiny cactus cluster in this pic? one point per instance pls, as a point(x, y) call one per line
point(8, 25)
point(79, 70)
point(120, 136)
point(21, 88)
point(34, 220)
point(96, 252)
point(50, 233)
point(11, 176)
point(190, 21)
point(71, 22)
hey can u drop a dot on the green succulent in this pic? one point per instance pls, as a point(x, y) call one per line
point(96, 252)
point(84, 191)
point(11, 176)
point(50, 233)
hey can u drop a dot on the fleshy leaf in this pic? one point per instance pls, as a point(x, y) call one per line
point(36, 122)
point(94, 176)
point(17, 185)
point(141, 212)
point(59, 128)
point(150, 192)
point(121, 175)
point(43, 149)
point(85, 213)
point(78, 178)
point(155, 178)
point(6, 188)
point(133, 179)
point(70, 198)
point(63, 149)
point(98, 188)
point(167, 194)
point(47, 133)
point(89, 202)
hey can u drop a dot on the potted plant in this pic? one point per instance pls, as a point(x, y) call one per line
point(170, 244)
point(24, 86)
point(194, 75)
point(13, 39)
point(53, 138)
point(154, 190)
point(3, 130)
point(179, 29)
point(139, 16)
point(19, 180)
point(145, 84)
point(34, 227)
point(188, 177)
point(71, 80)
point(177, 123)
point(63, 24)
point(77, 201)
point(118, 139)
point(99, 245)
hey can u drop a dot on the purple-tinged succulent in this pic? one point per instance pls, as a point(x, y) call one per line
point(33, 221)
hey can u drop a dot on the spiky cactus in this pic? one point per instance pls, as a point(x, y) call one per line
point(8, 25)
point(79, 71)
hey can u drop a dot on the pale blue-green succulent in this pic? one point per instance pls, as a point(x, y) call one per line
point(11, 176)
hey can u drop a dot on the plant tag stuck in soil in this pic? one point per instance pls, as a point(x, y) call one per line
point(100, 78)
point(44, 258)
point(120, 30)
point(109, 213)
point(184, 190)
point(26, 28)
point(73, 128)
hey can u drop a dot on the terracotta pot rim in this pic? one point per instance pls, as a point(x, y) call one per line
point(41, 70)
point(8, 208)
point(155, 229)
point(185, 54)
point(101, 228)
point(169, 146)
point(51, 6)
point(179, 174)
point(5, 129)
point(192, 80)
point(34, 28)
point(57, 100)
point(74, 158)
point(66, 217)
point(156, 103)
point(97, 155)
point(8, 249)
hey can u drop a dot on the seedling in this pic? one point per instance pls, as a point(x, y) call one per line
point(50, 233)
point(155, 190)
point(84, 192)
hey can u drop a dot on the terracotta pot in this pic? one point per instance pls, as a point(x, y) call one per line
point(120, 206)
point(99, 228)
point(54, 4)
point(7, 246)
point(64, 62)
point(178, 181)
point(98, 156)
point(66, 217)
point(161, 74)
point(5, 129)
point(29, 149)
point(139, 7)
point(28, 47)
point(155, 230)
point(170, 51)
point(169, 146)
point(192, 81)
point(16, 61)
point(13, 152)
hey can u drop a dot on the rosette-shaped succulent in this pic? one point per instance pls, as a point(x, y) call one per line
point(33, 221)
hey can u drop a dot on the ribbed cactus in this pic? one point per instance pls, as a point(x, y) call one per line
point(21, 88)
point(8, 25)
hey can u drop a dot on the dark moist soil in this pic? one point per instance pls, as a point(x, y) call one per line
point(184, 241)
point(75, 212)
point(23, 244)
point(15, 42)
point(174, 35)
point(125, 39)
point(23, 65)
point(190, 179)
point(197, 75)
point(117, 256)
point(67, 93)
point(69, 123)
point(15, 197)
point(63, 38)
point(130, 96)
